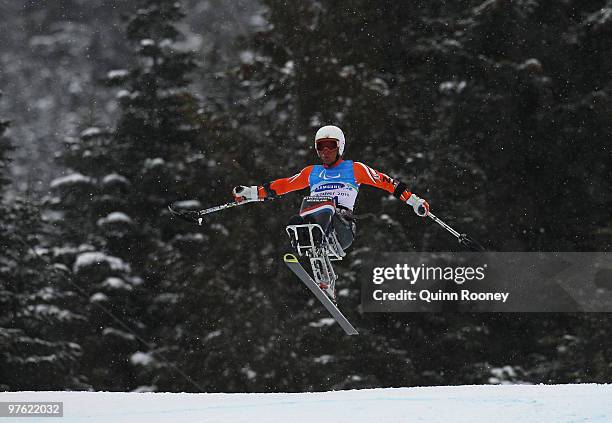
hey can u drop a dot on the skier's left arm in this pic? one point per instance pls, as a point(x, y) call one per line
point(366, 175)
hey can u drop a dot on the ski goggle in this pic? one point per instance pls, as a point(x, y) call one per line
point(329, 143)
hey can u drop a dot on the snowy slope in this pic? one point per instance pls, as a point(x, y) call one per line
point(506, 403)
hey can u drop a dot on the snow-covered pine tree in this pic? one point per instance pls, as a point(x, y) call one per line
point(175, 149)
point(38, 347)
point(149, 270)
point(89, 211)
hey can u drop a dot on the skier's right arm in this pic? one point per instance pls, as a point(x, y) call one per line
point(274, 188)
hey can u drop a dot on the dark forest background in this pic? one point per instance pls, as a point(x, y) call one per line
point(497, 112)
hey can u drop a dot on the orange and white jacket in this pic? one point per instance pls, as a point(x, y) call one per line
point(342, 180)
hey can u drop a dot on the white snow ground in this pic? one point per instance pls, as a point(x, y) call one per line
point(448, 404)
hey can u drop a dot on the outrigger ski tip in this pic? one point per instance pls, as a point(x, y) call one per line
point(187, 215)
point(196, 215)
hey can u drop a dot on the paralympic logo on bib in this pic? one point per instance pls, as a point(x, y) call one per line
point(325, 176)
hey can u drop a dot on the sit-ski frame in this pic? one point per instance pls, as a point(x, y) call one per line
point(321, 255)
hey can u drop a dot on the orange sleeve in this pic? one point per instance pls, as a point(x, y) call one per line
point(293, 183)
point(366, 175)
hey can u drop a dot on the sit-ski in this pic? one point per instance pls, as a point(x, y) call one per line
point(316, 240)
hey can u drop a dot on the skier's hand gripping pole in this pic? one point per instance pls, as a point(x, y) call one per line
point(463, 239)
point(244, 194)
point(420, 206)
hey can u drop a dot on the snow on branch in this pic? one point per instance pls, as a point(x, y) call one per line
point(89, 259)
point(73, 178)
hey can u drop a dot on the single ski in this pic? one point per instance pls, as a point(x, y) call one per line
point(292, 262)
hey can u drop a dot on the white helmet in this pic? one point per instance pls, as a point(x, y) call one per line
point(331, 131)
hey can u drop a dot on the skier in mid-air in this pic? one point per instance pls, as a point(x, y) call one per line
point(336, 178)
point(325, 226)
